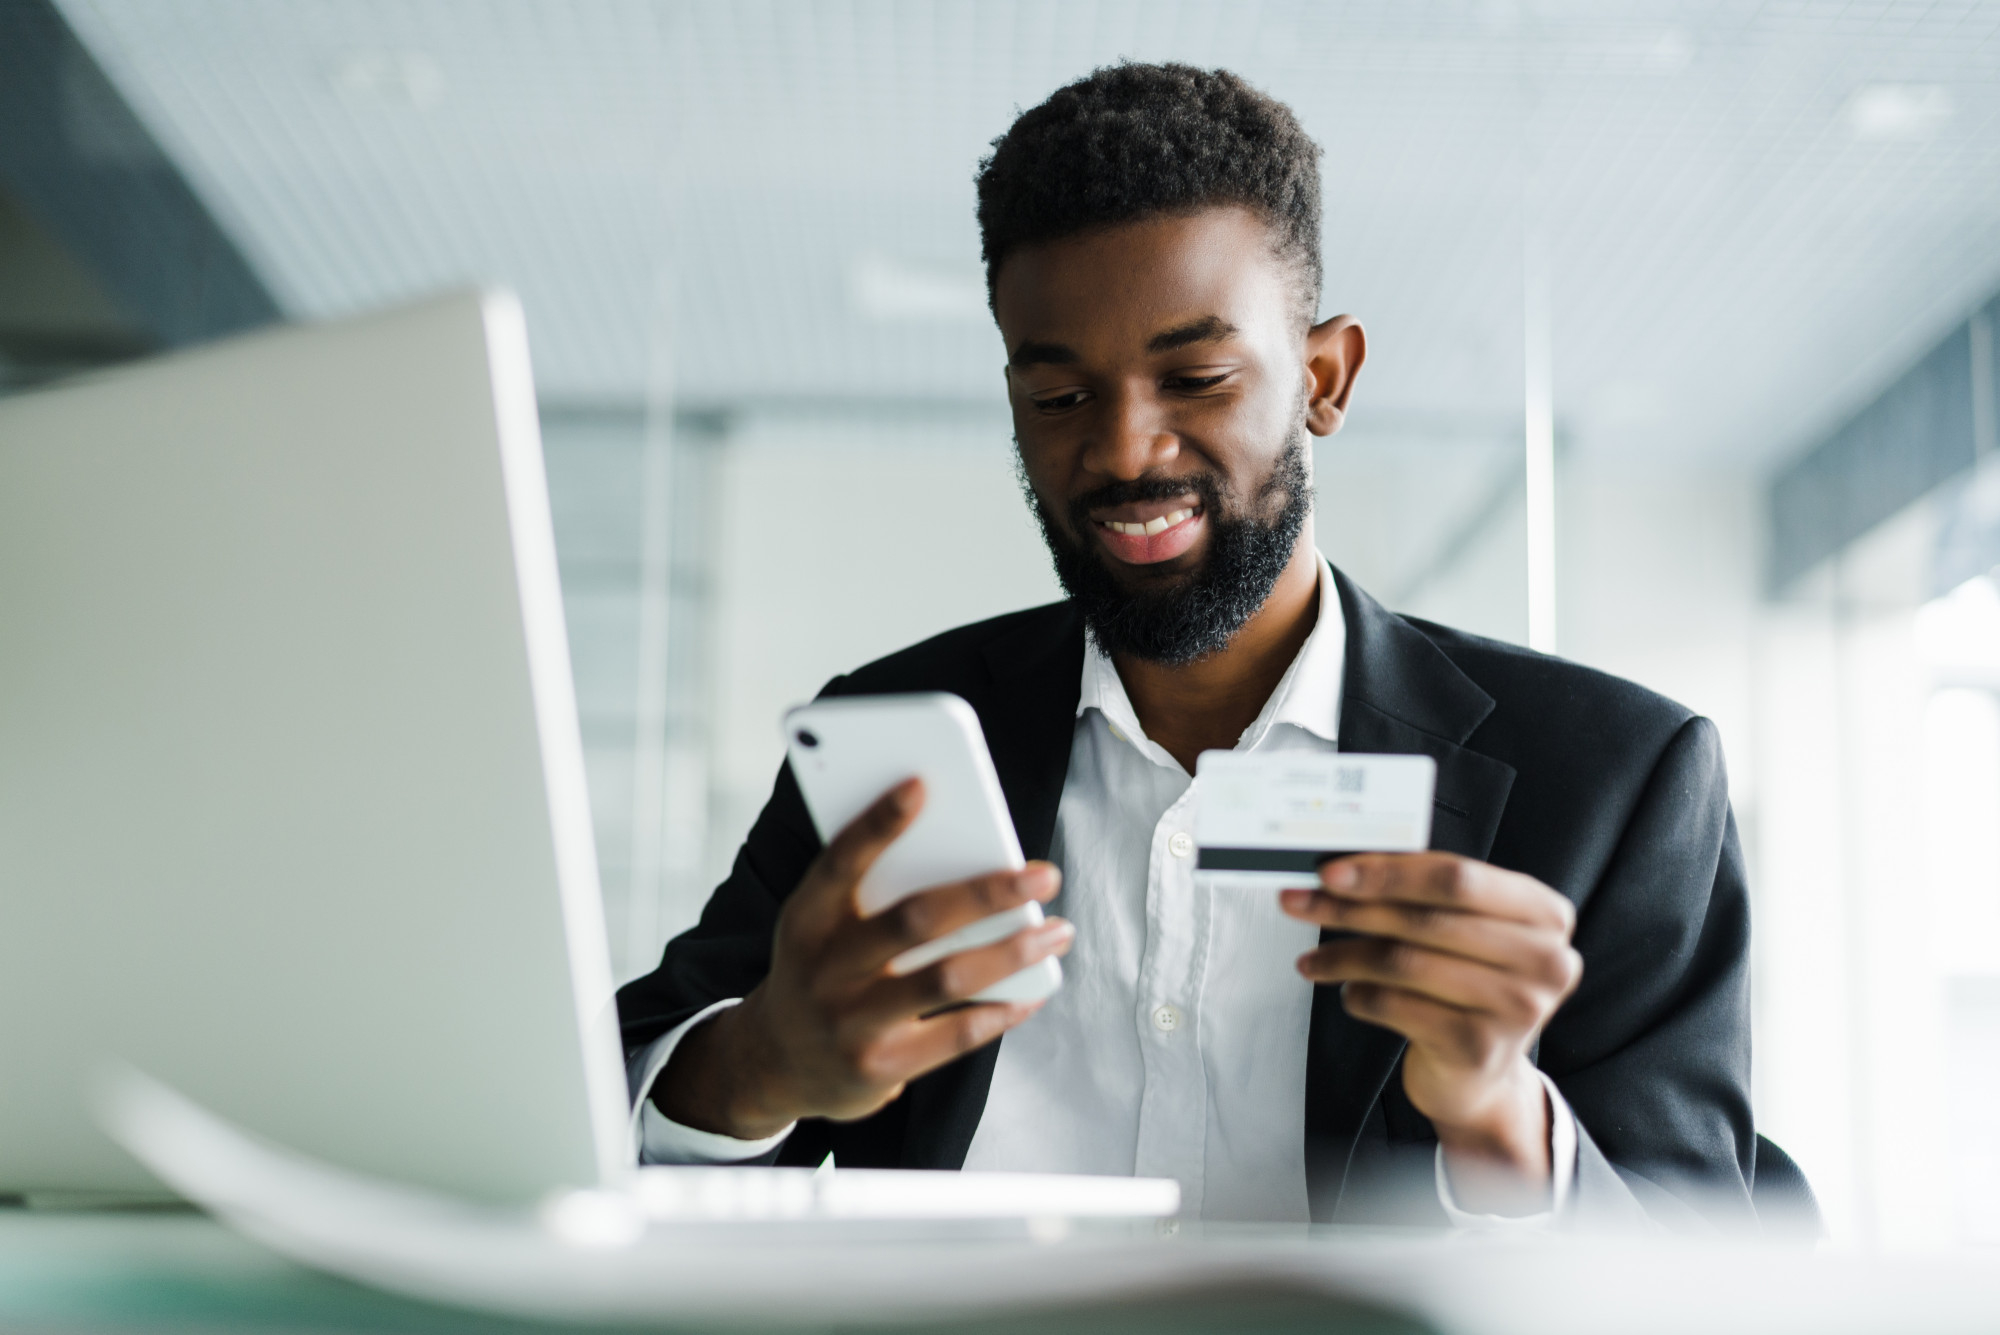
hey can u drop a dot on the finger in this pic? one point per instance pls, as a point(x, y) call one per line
point(1452, 979)
point(1451, 881)
point(1540, 952)
point(962, 976)
point(918, 1046)
point(1426, 1022)
point(826, 894)
point(867, 944)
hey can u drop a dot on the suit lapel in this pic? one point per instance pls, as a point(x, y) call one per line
point(1400, 694)
point(1029, 717)
point(1030, 720)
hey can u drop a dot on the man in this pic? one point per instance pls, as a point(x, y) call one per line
point(1544, 1017)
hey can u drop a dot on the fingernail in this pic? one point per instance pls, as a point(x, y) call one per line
point(1058, 930)
point(1294, 901)
point(1339, 876)
point(1040, 879)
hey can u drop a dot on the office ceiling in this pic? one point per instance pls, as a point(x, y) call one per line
point(1754, 213)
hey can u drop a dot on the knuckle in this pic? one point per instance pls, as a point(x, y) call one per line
point(1522, 1003)
point(1422, 918)
point(1447, 880)
point(1552, 966)
point(995, 892)
point(912, 920)
point(875, 1065)
point(977, 1025)
point(1460, 879)
point(840, 862)
point(940, 984)
point(1399, 959)
point(1572, 969)
point(851, 1048)
point(1565, 915)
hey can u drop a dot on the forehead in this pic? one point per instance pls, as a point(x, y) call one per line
point(1118, 286)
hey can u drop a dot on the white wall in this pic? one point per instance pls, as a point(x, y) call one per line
point(839, 544)
point(1427, 518)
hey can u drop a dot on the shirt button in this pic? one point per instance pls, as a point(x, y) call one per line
point(1181, 844)
point(1166, 1017)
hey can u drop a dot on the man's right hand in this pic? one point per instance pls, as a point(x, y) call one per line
point(834, 1030)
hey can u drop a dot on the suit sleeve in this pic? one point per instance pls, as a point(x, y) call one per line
point(1653, 1051)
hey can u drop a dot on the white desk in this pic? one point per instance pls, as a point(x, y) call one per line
point(118, 1272)
point(114, 1272)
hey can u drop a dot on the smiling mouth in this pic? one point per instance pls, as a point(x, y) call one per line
point(1157, 524)
point(1150, 532)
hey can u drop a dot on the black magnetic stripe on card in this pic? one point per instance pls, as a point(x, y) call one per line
point(1262, 859)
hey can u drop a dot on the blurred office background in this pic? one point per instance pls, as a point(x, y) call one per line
point(1682, 362)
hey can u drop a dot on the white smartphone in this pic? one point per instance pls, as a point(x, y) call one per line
point(847, 751)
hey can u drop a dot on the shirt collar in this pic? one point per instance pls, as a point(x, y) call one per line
point(1307, 696)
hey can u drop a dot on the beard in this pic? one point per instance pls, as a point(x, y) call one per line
point(1197, 613)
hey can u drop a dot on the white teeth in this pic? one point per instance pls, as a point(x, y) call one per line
point(1159, 525)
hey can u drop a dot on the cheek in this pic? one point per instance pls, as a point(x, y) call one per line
point(1247, 436)
point(1037, 467)
point(1048, 454)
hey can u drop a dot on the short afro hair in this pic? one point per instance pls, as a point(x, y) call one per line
point(1135, 141)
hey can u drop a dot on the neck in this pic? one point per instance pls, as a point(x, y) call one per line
point(1206, 705)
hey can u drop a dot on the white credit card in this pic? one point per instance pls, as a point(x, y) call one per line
point(1270, 818)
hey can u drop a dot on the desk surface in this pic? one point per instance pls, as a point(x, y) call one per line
point(125, 1271)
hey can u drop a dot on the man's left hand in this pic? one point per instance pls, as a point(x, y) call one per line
point(1467, 962)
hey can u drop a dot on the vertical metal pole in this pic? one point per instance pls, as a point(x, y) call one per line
point(1985, 426)
point(649, 730)
point(1537, 379)
point(1538, 411)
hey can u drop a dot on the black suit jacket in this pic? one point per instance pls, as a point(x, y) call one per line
point(1611, 794)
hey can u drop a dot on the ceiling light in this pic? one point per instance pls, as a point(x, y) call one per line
point(1898, 110)
point(402, 78)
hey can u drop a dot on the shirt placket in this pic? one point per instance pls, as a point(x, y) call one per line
point(1173, 1110)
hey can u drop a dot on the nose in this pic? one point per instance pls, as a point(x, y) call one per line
point(1132, 438)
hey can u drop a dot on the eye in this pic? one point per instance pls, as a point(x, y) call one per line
point(1196, 382)
point(1058, 402)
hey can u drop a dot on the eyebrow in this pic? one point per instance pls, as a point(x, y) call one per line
point(1208, 329)
point(1043, 354)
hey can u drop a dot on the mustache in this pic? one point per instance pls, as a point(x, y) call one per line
point(1204, 485)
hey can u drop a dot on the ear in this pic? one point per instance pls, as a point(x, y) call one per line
point(1335, 350)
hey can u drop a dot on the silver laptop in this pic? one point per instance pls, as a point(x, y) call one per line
point(292, 807)
point(293, 829)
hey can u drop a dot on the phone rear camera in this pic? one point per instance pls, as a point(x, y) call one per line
point(806, 739)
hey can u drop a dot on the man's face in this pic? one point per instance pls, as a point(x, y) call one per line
point(1158, 374)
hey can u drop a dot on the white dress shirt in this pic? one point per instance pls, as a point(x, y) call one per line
point(1177, 1046)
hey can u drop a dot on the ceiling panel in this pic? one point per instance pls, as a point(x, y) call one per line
point(755, 201)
